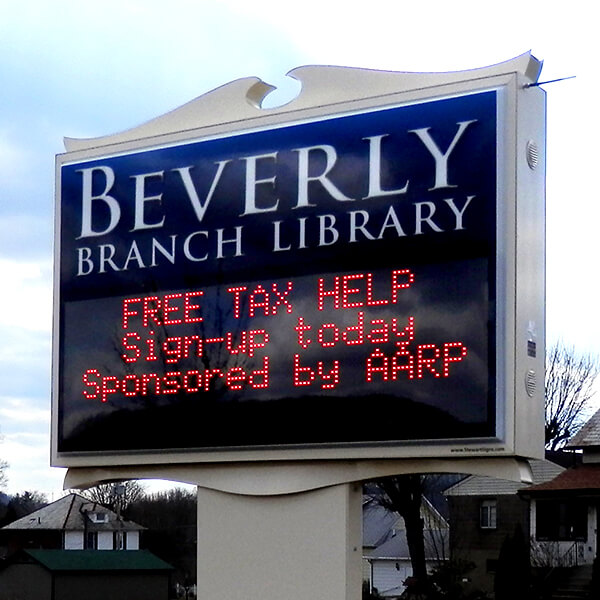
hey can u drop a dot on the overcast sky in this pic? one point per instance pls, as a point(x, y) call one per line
point(82, 69)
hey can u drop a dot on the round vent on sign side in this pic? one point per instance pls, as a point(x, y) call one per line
point(533, 155)
point(530, 383)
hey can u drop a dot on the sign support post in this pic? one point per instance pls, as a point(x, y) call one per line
point(294, 546)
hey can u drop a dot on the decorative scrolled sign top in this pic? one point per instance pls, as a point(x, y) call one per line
point(321, 86)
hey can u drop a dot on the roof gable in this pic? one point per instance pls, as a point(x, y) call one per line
point(384, 531)
point(376, 523)
point(588, 435)
point(70, 513)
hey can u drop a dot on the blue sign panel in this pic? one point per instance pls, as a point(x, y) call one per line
point(329, 282)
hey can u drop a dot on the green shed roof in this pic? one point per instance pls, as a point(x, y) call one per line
point(98, 560)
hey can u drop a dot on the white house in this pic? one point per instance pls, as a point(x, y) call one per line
point(565, 513)
point(386, 558)
point(71, 523)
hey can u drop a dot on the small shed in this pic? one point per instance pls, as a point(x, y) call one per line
point(89, 574)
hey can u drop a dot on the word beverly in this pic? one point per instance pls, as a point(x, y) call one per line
point(115, 199)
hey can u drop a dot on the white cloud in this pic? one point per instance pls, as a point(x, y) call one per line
point(27, 300)
point(11, 157)
point(18, 412)
point(432, 35)
point(28, 456)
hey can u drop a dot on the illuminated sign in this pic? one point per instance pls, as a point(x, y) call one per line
point(330, 282)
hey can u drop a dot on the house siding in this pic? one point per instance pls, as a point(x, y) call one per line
point(133, 540)
point(73, 540)
point(591, 549)
point(556, 553)
point(481, 546)
point(366, 569)
point(390, 574)
point(105, 540)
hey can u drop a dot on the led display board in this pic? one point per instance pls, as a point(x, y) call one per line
point(323, 285)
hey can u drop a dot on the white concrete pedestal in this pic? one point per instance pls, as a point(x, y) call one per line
point(287, 547)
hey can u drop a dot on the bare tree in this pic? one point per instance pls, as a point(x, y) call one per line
point(170, 517)
point(3, 476)
point(427, 533)
point(570, 379)
point(116, 496)
point(3, 468)
point(403, 495)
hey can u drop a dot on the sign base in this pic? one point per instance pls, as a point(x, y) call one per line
point(293, 546)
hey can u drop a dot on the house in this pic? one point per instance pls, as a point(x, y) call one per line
point(564, 511)
point(386, 558)
point(483, 512)
point(71, 523)
point(90, 574)
point(76, 548)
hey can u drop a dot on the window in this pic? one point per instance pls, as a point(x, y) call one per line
point(98, 517)
point(119, 540)
point(487, 514)
point(91, 540)
point(561, 520)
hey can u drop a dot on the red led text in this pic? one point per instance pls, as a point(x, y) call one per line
point(176, 348)
point(424, 360)
point(261, 300)
point(356, 290)
point(103, 387)
point(169, 309)
point(320, 332)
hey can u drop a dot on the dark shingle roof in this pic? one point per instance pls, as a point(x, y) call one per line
point(395, 547)
point(478, 485)
point(98, 560)
point(588, 435)
point(377, 522)
point(581, 479)
point(69, 514)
